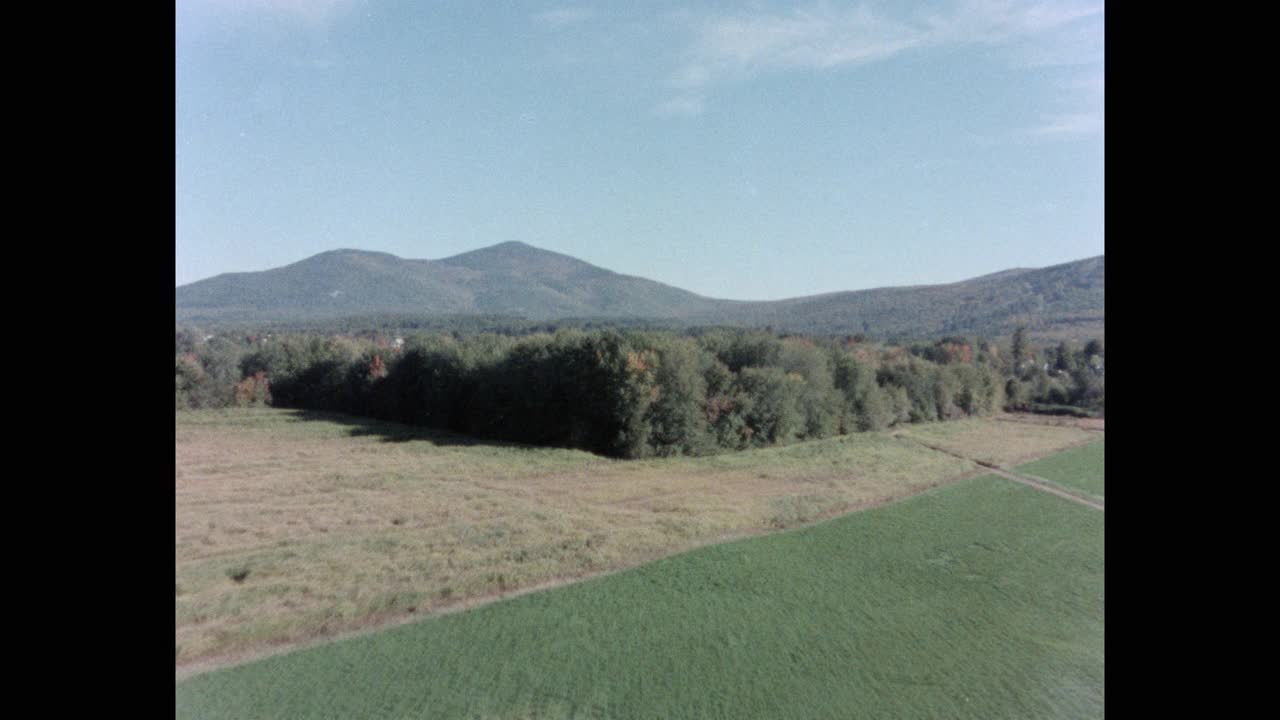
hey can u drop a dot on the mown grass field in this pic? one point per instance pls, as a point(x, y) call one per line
point(1000, 443)
point(1078, 468)
point(980, 599)
point(295, 526)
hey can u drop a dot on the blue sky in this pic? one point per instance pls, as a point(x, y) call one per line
point(751, 150)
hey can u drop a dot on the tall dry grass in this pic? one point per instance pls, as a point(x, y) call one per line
point(292, 526)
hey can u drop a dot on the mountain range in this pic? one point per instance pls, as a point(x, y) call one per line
point(518, 280)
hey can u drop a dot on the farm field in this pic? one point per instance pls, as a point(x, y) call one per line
point(991, 441)
point(293, 526)
point(980, 599)
point(1078, 468)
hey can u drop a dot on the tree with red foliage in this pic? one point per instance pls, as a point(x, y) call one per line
point(377, 368)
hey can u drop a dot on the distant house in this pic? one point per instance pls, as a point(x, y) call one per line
point(399, 343)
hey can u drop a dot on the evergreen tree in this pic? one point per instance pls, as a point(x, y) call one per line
point(1019, 350)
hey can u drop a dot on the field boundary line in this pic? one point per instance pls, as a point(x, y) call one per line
point(1030, 481)
point(1060, 486)
point(1022, 419)
point(200, 666)
point(1049, 489)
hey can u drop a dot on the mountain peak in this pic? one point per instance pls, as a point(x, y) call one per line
point(510, 247)
point(515, 257)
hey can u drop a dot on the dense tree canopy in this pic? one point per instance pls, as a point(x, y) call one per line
point(634, 393)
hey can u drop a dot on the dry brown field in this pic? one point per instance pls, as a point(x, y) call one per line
point(293, 527)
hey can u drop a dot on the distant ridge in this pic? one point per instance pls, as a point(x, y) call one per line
point(516, 279)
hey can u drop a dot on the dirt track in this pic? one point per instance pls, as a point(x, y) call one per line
point(1024, 479)
point(1045, 487)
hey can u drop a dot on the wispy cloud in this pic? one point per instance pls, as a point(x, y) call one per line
point(1079, 108)
point(682, 106)
point(1065, 126)
point(1075, 43)
point(561, 17)
point(736, 46)
point(726, 46)
point(312, 11)
point(999, 21)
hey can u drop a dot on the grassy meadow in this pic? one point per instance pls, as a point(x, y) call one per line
point(980, 599)
point(997, 442)
point(293, 526)
point(1075, 469)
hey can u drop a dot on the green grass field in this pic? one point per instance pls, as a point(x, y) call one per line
point(1078, 468)
point(979, 599)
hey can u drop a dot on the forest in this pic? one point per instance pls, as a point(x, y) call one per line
point(640, 393)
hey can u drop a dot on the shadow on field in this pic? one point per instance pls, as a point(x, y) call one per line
point(396, 432)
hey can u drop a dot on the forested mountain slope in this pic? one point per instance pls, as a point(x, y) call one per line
point(517, 280)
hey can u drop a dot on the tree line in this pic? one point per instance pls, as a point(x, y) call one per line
point(630, 394)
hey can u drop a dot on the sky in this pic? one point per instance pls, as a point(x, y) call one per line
point(744, 150)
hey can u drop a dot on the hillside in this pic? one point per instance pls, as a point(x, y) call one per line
point(1063, 299)
point(511, 279)
point(520, 281)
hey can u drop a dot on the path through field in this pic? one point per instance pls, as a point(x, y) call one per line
point(1037, 483)
point(1047, 488)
